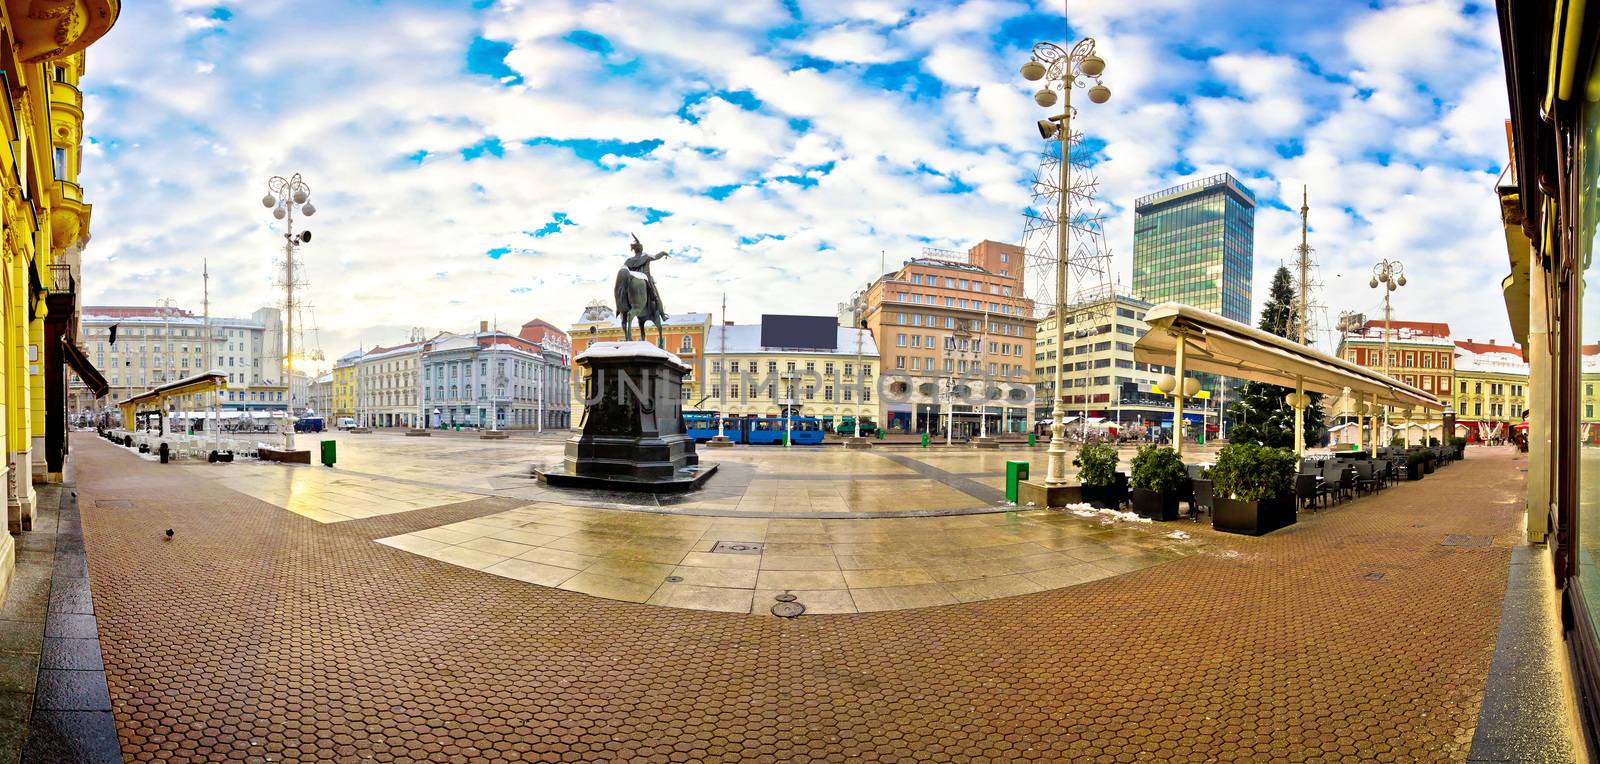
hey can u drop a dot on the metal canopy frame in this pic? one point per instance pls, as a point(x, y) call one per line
point(1216, 345)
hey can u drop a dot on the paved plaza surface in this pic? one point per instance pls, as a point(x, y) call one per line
point(295, 615)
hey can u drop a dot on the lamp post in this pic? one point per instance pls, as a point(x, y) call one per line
point(1387, 275)
point(284, 196)
point(1062, 70)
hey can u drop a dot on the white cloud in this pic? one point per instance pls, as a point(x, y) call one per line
point(192, 114)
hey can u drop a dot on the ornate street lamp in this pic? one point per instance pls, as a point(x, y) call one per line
point(1062, 70)
point(284, 196)
point(1387, 275)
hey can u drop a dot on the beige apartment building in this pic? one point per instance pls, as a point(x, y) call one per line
point(1100, 378)
point(955, 337)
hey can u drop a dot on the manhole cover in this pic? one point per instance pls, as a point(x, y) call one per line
point(785, 598)
point(737, 547)
point(788, 609)
point(1462, 539)
point(1376, 575)
point(674, 579)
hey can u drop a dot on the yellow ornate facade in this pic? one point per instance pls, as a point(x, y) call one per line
point(44, 223)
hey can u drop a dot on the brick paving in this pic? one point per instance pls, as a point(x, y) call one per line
point(258, 634)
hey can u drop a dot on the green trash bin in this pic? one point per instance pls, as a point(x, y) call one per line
point(330, 453)
point(924, 440)
point(1031, 439)
point(1016, 472)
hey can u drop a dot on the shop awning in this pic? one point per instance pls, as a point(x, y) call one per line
point(1216, 345)
point(86, 371)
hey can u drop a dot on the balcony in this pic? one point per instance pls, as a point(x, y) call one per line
point(51, 29)
point(66, 97)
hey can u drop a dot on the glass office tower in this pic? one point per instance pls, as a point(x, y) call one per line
point(1195, 244)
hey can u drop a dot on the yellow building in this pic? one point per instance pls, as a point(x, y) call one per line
point(1491, 389)
point(45, 224)
point(831, 377)
point(344, 386)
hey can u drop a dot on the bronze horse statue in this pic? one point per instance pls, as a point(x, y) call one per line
point(637, 298)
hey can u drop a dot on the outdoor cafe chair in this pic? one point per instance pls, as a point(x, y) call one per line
point(1306, 490)
point(1202, 499)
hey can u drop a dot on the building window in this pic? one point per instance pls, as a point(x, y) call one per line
point(61, 163)
point(687, 346)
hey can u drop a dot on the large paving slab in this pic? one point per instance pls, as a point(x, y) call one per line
point(255, 632)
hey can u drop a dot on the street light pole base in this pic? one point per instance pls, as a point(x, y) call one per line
point(1038, 495)
point(857, 443)
point(719, 441)
point(417, 432)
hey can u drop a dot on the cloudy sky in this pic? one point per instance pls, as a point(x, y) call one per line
point(486, 160)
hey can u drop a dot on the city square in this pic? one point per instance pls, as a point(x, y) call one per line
point(799, 380)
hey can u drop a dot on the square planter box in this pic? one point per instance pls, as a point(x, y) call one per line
point(1413, 472)
point(1100, 496)
point(1253, 518)
point(1156, 505)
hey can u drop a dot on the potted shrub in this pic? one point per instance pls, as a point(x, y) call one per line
point(1253, 489)
point(1097, 473)
point(1414, 464)
point(1430, 461)
point(1160, 481)
point(1460, 445)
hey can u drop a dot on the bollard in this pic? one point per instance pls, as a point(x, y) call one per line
point(164, 456)
point(1016, 472)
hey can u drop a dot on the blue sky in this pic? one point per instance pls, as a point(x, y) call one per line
point(488, 160)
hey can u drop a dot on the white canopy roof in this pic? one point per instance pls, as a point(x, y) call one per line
point(1216, 345)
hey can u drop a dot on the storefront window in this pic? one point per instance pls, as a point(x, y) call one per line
point(1588, 201)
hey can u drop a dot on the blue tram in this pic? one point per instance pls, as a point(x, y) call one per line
point(702, 426)
point(803, 430)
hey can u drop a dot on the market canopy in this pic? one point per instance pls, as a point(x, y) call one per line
point(91, 377)
point(1216, 345)
point(199, 383)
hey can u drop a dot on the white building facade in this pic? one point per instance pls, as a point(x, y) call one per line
point(155, 345)
point(495, 380)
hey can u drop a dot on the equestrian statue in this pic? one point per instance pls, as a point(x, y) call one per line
point(637, 298)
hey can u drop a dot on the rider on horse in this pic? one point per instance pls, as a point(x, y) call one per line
point(637, 298)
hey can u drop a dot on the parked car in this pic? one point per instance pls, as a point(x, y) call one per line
point(345, 423)
point(308, 424)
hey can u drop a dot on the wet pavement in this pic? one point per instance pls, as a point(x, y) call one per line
point(266, 634)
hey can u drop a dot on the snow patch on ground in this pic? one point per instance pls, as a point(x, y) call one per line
point(1107, 516)
point(1179, 535)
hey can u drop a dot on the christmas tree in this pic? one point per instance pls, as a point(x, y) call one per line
point(1262, 414)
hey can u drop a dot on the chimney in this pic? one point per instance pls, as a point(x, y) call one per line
point(483, 326)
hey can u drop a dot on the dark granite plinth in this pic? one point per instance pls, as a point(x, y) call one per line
point(688, 480)
point(633, 434)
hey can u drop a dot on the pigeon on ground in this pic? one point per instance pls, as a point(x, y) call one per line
point(169, 533)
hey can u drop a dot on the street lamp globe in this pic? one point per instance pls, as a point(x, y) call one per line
point(309, 209)
point(1032, 71)
point(1099, 93)
point(1045, 98)
point(278, 213)
point(1402, 280)
point(1373, 283)
point(1092, 65)
point(269, 202)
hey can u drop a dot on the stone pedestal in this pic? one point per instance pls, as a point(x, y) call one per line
point(360, 430)
point(858, 443)
point(297, 456)
point(633, 434)
point(1038, 495)
point(493, 435)
point(719, 441)
point(418, 432)
point(985, 443)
